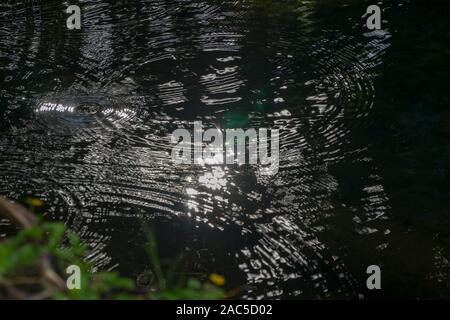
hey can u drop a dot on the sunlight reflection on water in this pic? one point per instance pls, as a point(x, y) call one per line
point(90, 116)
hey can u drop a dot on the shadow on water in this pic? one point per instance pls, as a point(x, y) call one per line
point(86, 118)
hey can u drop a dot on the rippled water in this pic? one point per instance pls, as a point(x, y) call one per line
point(86, 118)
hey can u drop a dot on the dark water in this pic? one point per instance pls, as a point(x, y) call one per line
point(86, 118)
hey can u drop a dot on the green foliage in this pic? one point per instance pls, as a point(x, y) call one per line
point(193, 290)
point(20, 256)
point(167, 289)
point(27, 246)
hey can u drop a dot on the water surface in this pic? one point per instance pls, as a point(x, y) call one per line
point(86, 118)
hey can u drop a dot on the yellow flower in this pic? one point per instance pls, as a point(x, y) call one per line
point(217, 279)
point(35, 202)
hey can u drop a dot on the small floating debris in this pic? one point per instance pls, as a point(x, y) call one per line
point(88, 108)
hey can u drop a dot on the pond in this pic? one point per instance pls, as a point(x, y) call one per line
point(86, 118)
